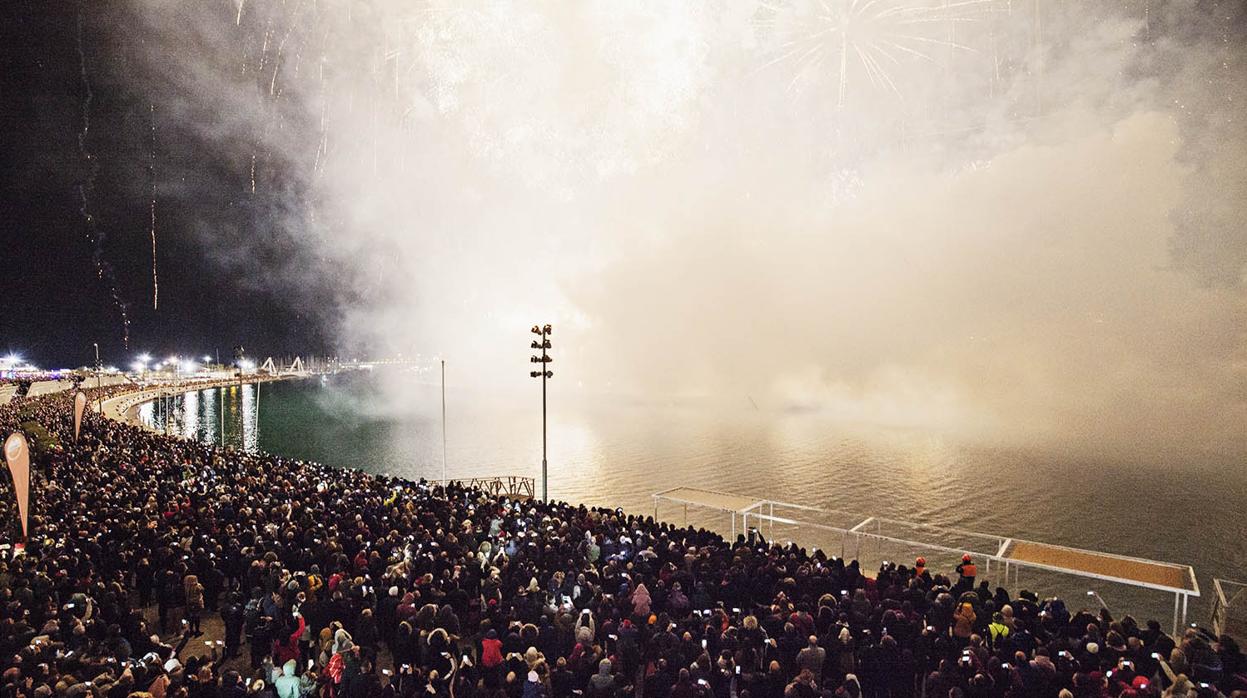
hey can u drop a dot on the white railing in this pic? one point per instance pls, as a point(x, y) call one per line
point(1229, 606)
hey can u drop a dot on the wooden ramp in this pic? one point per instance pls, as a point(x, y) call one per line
point(1149, 573)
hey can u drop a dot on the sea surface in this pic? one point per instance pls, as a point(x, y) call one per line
point(619, 455)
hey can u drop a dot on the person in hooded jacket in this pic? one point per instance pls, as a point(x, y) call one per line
point(602, 684)
point(288, 685)
point(963, 622)
point(641, 601)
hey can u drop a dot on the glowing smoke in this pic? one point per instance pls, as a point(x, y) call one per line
point(1031, 221)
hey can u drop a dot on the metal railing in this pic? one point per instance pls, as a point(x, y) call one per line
point(513, 486)
point(1229, 607)
point(810, 526)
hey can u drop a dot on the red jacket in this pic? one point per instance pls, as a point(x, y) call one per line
point(285, 651)
point(491, 653)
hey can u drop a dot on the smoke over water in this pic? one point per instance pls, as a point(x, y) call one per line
point(1011, 218)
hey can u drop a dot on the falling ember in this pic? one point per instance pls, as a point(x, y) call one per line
point(103, 270)
point(155, 279)
point(253, 173)
point(238, 19)
point(151, 177)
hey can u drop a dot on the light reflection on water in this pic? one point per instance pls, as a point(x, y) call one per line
point(619, 456)
point(198, 415)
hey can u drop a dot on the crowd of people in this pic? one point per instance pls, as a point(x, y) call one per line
point(343, 584)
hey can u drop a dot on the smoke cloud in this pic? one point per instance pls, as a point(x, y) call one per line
point(1024, 222)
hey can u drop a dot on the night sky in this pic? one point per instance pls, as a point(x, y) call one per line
point(53, 301)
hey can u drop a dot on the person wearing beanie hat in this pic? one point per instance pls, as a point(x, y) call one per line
point(532, 686)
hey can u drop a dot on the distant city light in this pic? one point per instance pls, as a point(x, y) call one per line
point(246, 364)
point(207, 359)
point(145, 358)
point(190, 366)
point(138, 365)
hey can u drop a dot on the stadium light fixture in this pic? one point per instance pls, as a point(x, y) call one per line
point(543, 343)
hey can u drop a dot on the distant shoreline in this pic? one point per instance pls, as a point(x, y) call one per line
point(124, 408)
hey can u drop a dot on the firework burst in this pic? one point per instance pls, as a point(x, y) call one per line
point(850, 39)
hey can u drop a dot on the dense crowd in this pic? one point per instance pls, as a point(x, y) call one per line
point(343, 584)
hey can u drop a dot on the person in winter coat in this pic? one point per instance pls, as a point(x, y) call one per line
point(963, 622)
point(286, 646)
point(850, 688)
point(846, 661)
point(802, 686)
point(1181, 688)
point(812, 657)
point(998, 630)
point(533, 687)
point(641, 601)
point(287, 684)
point(194, 602)
point(233, 617)
point(602, 683)
point(366, 633)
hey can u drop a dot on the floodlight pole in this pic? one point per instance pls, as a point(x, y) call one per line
point(444, 483)
point(543, 343)
point(545, 474)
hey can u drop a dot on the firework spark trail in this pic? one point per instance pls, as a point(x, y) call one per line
point(151, 179)
point(268, 35)
point(281, 47)
point(103, 270)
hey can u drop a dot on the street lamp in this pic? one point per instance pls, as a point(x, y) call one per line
point(543, 344)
